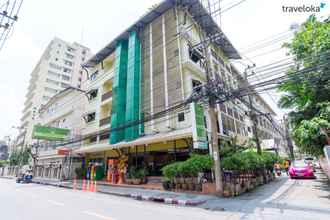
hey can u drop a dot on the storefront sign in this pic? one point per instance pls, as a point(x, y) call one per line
point(198, 126)
point(63, 151)
point(49, 133)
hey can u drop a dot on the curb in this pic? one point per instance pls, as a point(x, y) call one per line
point(7, 177)
point(136, 196)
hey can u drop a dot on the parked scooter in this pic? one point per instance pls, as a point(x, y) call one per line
point(25, 177)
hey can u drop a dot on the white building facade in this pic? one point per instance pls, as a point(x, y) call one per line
point(64, 110)
point(58, 68)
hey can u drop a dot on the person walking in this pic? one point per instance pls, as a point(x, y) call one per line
point(286, 166)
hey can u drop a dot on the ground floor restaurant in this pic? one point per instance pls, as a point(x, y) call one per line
point(119, 164)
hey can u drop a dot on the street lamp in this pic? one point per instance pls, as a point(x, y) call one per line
point(34, 154)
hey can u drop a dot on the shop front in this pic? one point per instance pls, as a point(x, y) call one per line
point(142, 159)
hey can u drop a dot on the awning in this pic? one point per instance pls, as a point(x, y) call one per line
point(160, 137)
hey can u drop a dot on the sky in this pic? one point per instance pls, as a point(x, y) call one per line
point(96, 23)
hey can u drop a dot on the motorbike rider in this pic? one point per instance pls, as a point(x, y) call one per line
point(277, 168)
point(286, 166)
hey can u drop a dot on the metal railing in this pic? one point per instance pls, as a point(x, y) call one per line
point(106, 95)
point(105, 121)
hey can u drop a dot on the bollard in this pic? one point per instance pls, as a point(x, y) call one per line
point(74, 184)
point(84, 185)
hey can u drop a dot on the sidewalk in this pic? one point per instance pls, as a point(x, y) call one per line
point(183, 199)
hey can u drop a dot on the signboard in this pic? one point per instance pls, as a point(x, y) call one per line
point(49, 133)
point(198, 127)
point(63, 151)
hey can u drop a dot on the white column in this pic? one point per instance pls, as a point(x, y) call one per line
point(165, 68)
point(179, 48)
point(151, 78)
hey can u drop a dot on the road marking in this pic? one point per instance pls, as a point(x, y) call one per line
point(55, 202)
point(98, 215)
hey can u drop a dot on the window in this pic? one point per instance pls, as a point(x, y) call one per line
point(83, 59)
point(92, 94)
point(104, 137)
point(230, 111)
point(55, 66)
point(66, 78)
point(83, 52)
point(69, 56)
point(222, 107)
point(65, 85)
point(94, 75)
point(53, 74)
point(79, 79)
point(52, 81)
point(69, 63)
point(50, 90)
point(56, 59)
point(181, 116)
point(46, 98)
point(195, 84)
point(195, 54)
point(67, 70)
point(70, 49)
point(236, 114)
point(90, 117)
point(59, 45)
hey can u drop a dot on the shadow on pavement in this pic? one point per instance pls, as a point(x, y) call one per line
point(273, 196)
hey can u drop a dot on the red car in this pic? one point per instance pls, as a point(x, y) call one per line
point(299, 169)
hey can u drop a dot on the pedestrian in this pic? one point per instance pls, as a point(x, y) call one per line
point(277, 168)
point(286, 167)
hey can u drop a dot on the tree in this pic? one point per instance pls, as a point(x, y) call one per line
point(308, 134)
point(20, 157)
point(308, 94)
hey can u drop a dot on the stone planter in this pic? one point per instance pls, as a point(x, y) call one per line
point(184, 186)
point(208, 188)
point(198, 187)
point(136, 181)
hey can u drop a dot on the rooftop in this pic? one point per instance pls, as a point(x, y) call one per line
point(197, 11)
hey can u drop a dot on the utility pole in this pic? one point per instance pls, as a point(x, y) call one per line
point(213, 118)
point(252, 113)
point(287, 137)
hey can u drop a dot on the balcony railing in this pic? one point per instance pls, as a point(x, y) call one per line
point(106, 95)
point(105, 121)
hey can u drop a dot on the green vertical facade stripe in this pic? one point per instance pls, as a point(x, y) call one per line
point(133, 96)
point(119, 92)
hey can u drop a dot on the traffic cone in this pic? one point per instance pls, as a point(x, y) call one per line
point(88, 185)
point(74, 184)
point(95, 189)
point(91, 188)
point(84, 185)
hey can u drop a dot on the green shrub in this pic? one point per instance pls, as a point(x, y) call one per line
point(249, 161)
point(189, 168)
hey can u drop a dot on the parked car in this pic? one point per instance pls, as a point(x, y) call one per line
point(312, 162)
point(299, 169)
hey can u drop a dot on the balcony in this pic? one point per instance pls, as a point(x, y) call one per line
point(106, 96)
point(105, 121)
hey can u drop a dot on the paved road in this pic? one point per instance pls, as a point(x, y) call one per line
point(282, 199)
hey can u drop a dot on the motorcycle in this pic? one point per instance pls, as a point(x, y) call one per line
point(278, 172)
point(24, 178)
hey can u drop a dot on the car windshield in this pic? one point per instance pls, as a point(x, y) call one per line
point(299, 164)
point(309, 158)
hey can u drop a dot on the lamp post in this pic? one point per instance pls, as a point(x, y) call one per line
point(34, 154)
